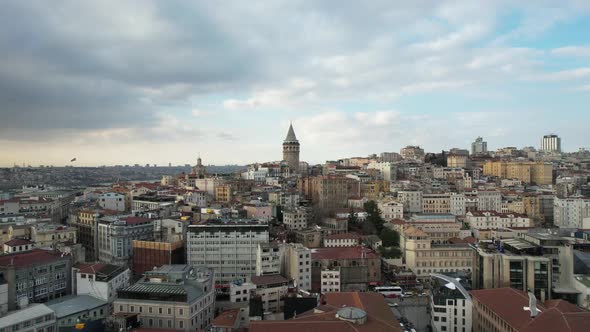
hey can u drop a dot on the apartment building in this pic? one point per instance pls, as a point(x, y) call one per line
point(330, 278)
point(391, 209)
point(359, 266)
point(37, 275)
point(489, 200)
point(228, 248)
point(436, 203)
point(268, 259)
point(412, 200)
point(571, 212)
point(174, 297)
point(495, 220)
point(48, 235)
point(296, 264)
point(101, 280)
point(297, 218)
point(458, 207)
point(529, 172)
point(112, 201)
point(450, 305)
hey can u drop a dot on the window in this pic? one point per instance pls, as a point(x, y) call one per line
point(169, 312)
point(160, 311)
point(169, 323)
point(180, 312)
point(181, 324)
point(150, 310)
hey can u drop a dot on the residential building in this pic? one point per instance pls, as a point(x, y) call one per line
point(49, 235)
point(479, 146)
point(509, 310)
point(330, 280)
point(150, 254)
point(259, 210)
point(412, 152)
point(174, 297)
point(390, 157)
point(436, 203)
point(160, 204)
point(342, 240)
point(86, 224)
point(424, 257)
point(540, 208)
point(391, 209)
point(17, 245)
point(291, 150)
point(386, 169)
point(73, 309)
point(100, 280)
point(36, 317)
point(296, 265)
point(439, 231)
point(458, 207)
point(37, 275)
point(271, 289)
point(572, 212)
point(457, 160)
point(310, 238)
point(116, 235)
point(412, 200)
point(359, 266)
point(268, 259)
point(495, 220)
point(351, 311)
point(112, 201)
point(551, 143)
point(297, 218)
point(539, 173)
point(228, 248)
point(489, 200)
point(329, 192)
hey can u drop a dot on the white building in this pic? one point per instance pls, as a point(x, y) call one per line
point(195, 198)
point(571, 212)
point(112, 201)
point(458, 207)
point(412, 200)
point(341, 240)
point(239, 292)
point(387, 169)
point(101, 280)
point(228, 248)
point(450, 307)
point(330, 280)
point(297, 218)
point(271, 289)
point(489, 200)
point(17, 245)
point(297, 264)
point(36, 317)
point(551, 143)
point(391, 210)
point(495, 220)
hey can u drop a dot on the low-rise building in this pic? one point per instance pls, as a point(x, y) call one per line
point(272, 290)
point(73, 309)
point(391, 210)
point(495, 220)
point(49, 235)
point(17, 245)
point(175, 297)
point(101, 280)
point(36, 317)
point(342, 240)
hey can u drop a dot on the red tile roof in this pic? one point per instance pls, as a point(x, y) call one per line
point(342, 253)
point(17, 242)
point(379, 316)
point(227, 318)
point(35, 256)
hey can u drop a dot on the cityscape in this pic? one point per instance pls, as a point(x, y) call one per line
point(294, 166)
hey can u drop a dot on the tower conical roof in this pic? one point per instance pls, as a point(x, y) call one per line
point(291, 135)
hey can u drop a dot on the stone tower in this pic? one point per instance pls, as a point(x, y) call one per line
point(291, 150)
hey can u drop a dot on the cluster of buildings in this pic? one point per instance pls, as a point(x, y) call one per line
point(286, 245)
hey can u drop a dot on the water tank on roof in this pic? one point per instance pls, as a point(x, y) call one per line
point(353, 315)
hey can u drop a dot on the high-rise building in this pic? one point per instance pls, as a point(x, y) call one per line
point(479, 146)
point(551, 143)
point(291, 150)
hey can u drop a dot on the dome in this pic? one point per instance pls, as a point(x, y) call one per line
point(352, 314)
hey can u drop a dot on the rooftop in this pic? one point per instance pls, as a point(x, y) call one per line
point(269, 279)
point(227, 318)
point(379, 316)
point(35, 256)
point(17, 242)
point(343, 236)
point(72, 304)
point(342, 253)
point(30, 312)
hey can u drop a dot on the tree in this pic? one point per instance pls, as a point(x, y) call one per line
point(392, 252)
point(389, 237)
point(374, 215)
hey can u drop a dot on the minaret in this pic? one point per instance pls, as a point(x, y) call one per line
point(291, 150)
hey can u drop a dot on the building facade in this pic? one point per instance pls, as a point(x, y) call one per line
point(116, 235)
point(551, 143)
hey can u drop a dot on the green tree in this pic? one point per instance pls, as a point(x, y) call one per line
point(389, 237)
point(392, 252)
point(374, 215)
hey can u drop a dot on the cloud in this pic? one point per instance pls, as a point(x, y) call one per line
point(201, 113)
point(573, 51)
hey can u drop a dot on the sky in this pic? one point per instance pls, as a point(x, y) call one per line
point(124, 82)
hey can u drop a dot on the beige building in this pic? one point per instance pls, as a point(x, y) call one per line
point(526, 171)
point(224, 192)
point(329, 192)
point(423, 257)
point(48, 235)
point(297, 264)
point(495, 220)
point(457, 161)
point(438, 232)
point(391, 209)
point(436, 203)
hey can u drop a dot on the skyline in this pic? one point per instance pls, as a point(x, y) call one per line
point(161, 82)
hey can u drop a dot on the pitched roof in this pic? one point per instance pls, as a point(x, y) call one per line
point(379, 316)
point(35, 256)
point(17, 242)
point(508, 304)
point(291, 135)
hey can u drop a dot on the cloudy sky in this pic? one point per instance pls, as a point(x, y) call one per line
point(124, 82)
